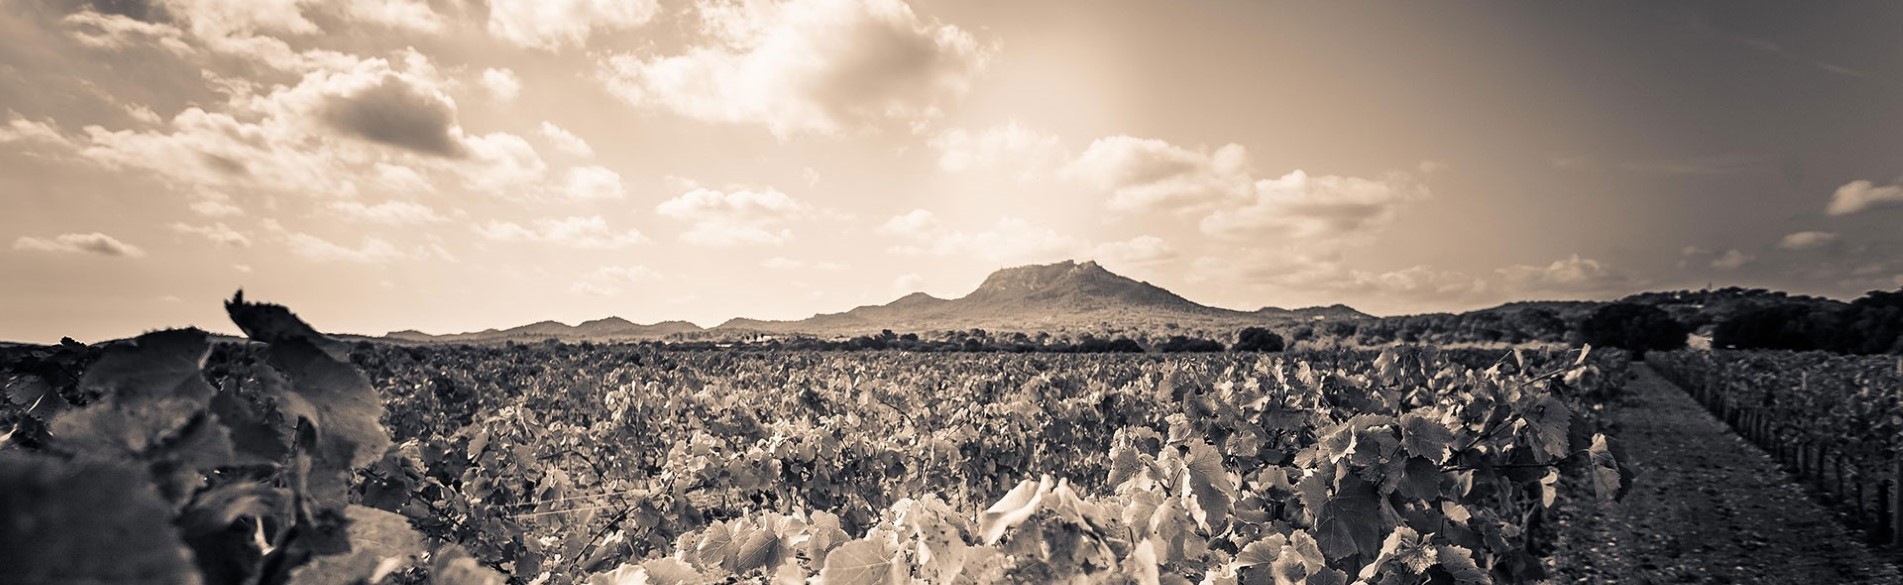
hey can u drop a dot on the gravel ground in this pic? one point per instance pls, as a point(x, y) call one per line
point(1707, 507)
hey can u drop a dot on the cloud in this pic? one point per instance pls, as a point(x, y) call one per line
point(565, 141)
point(503, 84)
point(589, 233)
point(1305, 269)
point(20, 129)
point(552, 25)
point(1570, 275)
point(908, 283)
point(409, 15)
point(1808, 240)
point(1732, 260)
point(213, 204)
point(612, 280)
point(218, 232)
point(593, 183)
point(1026, 153)
point(784, 263)
point(1147, 174)
point(118, 32)
point(1140, 250)
point(734, 218)
point(387, 213)
point(1332, 207)
point(1860, 196)
point(1010, 239)
point(1143, 175)
point(371, 250)
point(806, 66)
point(395, 110)
point(93, 243)
point(385, 120)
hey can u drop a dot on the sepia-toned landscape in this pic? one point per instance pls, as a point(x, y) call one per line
point(894, 292)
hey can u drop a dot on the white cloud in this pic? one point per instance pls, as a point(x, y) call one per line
point(732, 218)
point(1808, 240)
point(1010, 239)
point(1421, 281)
point(503, 84)
point(551, 25)
point(20, 129)
point(1140, 250)
point(387, 213)
point(592, 183)
point(784, 263)
point(218, 232)
point(215, 206)
point(911, 223)
point(410, 15)
point(908, 283)
point(566, 141)
point(612, 280)
point(1732, 260)
point(1144, 174)
point(1859, 196)
point(371, 250)
point(1025, 153)
point(93, 243)
point(1573, 274)
point(115, 32)
point(591, 232)
point(806, 66)
point(1300, 206)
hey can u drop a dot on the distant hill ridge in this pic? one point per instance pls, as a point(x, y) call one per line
point(1066, 294)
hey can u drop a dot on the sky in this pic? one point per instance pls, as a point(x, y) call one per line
point(455, 165)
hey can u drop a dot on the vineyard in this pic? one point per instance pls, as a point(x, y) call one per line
point(294, 458)
point(1834, 420)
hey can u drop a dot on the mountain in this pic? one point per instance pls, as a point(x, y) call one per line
point(1049, 297)
point(609, 329)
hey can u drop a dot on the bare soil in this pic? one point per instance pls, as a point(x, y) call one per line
point(1707, 507)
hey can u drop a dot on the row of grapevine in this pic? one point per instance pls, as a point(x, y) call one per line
point(1836, 421)
point(552, 463)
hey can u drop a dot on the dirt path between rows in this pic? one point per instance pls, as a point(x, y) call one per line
point(1707, 508)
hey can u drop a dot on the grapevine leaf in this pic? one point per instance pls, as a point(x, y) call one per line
point(759, 549)
point(715, 547)
point(1551, 422)
point(1261, 552)
point(1141, 566)
point(1211, 493)
point(161, 364)
point(85, 522)
point(227, 550)
point(826, 534)
point(1606, 477)
point(1328, 576)
point(464, 570)
point(666, 571)
point(860, 562)
point(379, 542)
point(1459, 564)
point(39, 397)
point(1422, 436)
point(1350, 522)
point(1019, 504)
point(274, 324)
